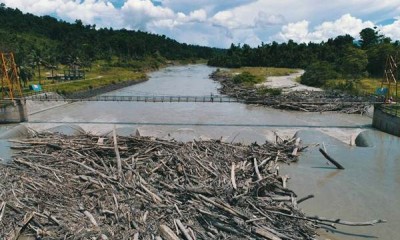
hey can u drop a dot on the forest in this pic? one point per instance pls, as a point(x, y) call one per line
point(46, 41)
point(342, 57)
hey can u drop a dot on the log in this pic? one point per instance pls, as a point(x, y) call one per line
point(155, 198)
point(305, 198)
point(259, 177)
point(54, 146)
point(348, 223)
point(296, 147)
point(25, 223)
point(284, 180)
point(2, 210)
point(91, 218)
point(264, 233)
point(233, 179)
point(330, 159)
point(183, 230)
point(167, 233)
point(119, 165)
point(223, 207)
point(136, 236)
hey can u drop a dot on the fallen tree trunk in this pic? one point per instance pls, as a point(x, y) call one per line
point(330, 159)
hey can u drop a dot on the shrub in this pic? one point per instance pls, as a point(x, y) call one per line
point(270, 91)
point(245, 77)
point(318, 73)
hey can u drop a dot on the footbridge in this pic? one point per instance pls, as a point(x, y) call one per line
point(188, 99)
point(15, 110)
point(138, 98)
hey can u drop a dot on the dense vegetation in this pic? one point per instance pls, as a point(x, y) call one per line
point(48, 42)
point(45, 42)
point(338, 58)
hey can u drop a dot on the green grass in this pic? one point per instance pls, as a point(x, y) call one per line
point(269, 91)
point(260, 73)
point(363, 86)
point(100, 74)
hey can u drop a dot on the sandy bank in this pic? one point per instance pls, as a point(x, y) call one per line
point(287, 83)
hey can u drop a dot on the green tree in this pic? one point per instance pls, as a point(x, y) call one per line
point(36, 61)
point(318, 73)
point(369, 37)
point(25, 74)
point(354, 63)
point(377, 56)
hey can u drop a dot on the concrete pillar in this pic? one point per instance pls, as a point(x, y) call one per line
point(13, 111)
point(21, 106)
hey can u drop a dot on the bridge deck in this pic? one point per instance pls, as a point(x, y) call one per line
point(141, 99)
point(160, 99)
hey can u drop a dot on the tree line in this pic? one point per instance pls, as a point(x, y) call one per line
point(48, 41)
point(340, 57)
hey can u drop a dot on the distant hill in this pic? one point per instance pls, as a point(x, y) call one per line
point(30, 36)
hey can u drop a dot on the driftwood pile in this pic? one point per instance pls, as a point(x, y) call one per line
point(89, 187)
point(307, 101)
point(83, 187)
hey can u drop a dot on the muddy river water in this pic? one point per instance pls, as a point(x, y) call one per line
point(369, 187)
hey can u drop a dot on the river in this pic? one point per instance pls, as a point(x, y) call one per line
point(367, 189)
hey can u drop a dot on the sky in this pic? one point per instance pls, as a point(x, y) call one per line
point(218, 23)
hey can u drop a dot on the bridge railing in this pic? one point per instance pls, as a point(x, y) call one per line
point(164, 98)
point(209, 98)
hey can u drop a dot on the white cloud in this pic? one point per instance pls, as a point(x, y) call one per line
point(300, 32)
point(264, 19)
point(199, 15)
point(138, 13)
point(219, 23)
point(392, 30)
point(98, 12)
point(295, 31)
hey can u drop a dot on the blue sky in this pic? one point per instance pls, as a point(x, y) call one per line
point(220, 23)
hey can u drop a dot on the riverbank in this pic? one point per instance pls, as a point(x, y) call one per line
point(288, 83)
point(298, 99)
point(103, 89)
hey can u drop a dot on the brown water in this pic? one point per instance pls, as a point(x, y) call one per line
point(367, 189)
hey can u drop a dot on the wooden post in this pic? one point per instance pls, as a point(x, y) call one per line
point(337, 165)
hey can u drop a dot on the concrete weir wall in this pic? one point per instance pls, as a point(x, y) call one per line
point(386, 122)
point(13, 111)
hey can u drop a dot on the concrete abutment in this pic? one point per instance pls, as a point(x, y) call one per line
point(386, 122)
point(13, 111)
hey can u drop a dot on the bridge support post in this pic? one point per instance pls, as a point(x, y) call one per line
point(13, 111)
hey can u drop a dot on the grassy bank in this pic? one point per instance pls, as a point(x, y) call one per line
point(96, 79)
point(99, 75)
point(362, 86)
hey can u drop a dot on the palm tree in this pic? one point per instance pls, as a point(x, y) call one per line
point(36, 61)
